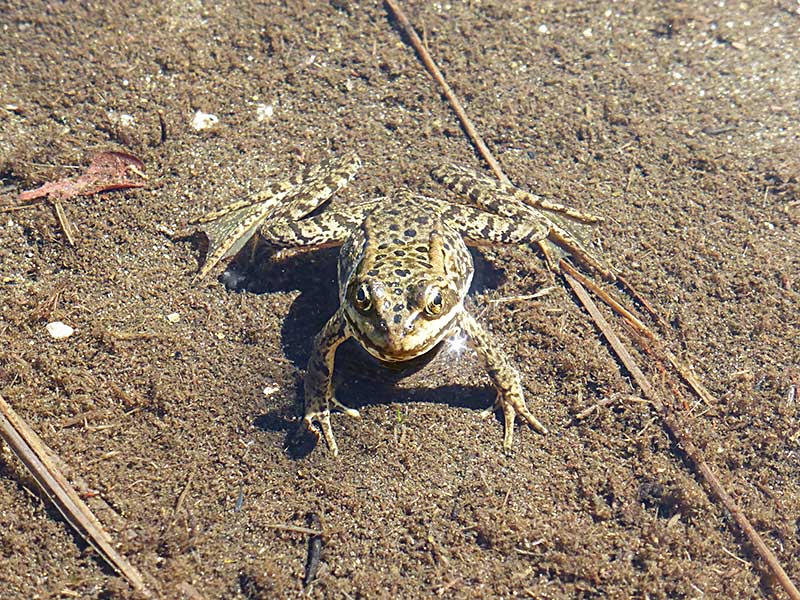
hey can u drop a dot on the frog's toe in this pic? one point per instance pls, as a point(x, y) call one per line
point(532, 421)
point(324, 420)
point(350, 412)
point(511, 410)
point(509, 414)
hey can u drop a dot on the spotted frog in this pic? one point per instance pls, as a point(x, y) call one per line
point(404, 269)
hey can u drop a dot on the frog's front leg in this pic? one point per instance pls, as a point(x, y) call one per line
point(504, 376)
point(319, 385)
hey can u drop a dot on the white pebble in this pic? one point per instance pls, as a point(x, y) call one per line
point(269, 390)
point(204, 120)
point(264, 111)
point(173, 317)
point(59, 330)
point(543, 28)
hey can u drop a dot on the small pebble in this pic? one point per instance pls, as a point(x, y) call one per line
point(59, 330)
point(264, 111)
point(173, 317)
point(202, 120)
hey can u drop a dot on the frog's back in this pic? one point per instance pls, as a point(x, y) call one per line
point(405, 240)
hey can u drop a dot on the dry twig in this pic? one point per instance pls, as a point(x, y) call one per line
point(469, 128)
point(37, 459)
point(314, 550)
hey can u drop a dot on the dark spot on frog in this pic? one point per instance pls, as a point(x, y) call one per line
point(397, 319)
point(410, 232)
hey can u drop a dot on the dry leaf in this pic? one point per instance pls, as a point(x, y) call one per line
point(107, 171)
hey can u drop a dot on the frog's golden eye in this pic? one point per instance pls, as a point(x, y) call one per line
point(363, 298)
point(434, 302)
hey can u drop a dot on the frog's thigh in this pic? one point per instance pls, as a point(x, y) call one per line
point(480, 227)
point(504, 376)
point(502, 198)
point(316, 185)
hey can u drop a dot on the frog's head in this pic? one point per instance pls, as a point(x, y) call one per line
point(398, 320)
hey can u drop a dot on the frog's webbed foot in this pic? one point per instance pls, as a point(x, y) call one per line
point(510, 397)
point(323, 417)
point(512, 405)
point(324, 429)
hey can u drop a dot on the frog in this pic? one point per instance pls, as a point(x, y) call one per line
point(404, 269)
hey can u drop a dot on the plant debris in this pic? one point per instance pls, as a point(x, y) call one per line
point(109, 170)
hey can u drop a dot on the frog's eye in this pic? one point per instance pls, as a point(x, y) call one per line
point(433, 302)
point(363, 298)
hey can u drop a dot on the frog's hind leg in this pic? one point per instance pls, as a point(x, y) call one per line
point(329, 228)
point(316, 185)
point(568, 228)
point(229, 228)
point(479, 227)
point(501, 198)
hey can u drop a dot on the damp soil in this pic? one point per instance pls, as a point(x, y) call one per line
point(677, 124)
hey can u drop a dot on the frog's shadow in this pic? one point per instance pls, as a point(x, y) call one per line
point(299, 442)
point(358, 378)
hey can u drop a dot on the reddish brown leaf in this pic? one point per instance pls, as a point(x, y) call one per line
point(107, 171)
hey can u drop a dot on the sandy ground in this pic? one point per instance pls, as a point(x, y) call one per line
point(678, 125)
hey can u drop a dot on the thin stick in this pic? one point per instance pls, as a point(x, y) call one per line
point(607, 298)
point(36, 457)
point(683, 370)
point(622, 352)
point(627, 286)
point(469, 128)
point(64, 222)
point(185, 492)
point(314, 555)
point(594, 407)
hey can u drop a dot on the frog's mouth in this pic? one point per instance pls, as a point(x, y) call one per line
point(388, 346)
point(392, 355)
